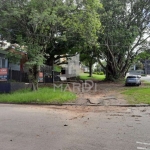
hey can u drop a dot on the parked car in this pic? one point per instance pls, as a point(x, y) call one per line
point(133, 80)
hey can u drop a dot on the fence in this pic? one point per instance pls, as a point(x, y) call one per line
point(18, 76)
point(48, 75)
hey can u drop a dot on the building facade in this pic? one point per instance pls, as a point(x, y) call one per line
point(147, 67)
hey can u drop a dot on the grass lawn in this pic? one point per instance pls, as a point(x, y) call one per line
point(85, 76)
point(146, 83)
point(43, 95)
point(138, 95)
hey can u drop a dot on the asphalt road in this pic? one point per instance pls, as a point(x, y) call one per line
point(74, 128)
point(147, 78)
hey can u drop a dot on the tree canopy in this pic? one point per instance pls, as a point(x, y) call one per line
point(50, 27)
point(126, 28)
point(114, 31)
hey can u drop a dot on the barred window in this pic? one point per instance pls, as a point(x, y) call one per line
point(3, 63)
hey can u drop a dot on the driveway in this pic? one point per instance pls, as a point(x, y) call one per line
point(102, 93)
point(73, 128)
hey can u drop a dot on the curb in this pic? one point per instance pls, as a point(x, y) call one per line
point(119, 105)
point(73, 104)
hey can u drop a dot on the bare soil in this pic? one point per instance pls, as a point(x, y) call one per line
point(101, 93)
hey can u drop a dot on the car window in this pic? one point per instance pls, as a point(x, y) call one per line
point(131, 77)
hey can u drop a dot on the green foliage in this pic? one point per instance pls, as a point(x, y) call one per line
point(139, 66)
point(124, 24)
point(110, 30)
point(58, 27)
point(143, 55)
point(57, 68)
point(13, 57)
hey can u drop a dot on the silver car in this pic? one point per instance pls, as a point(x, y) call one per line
point(133, 80)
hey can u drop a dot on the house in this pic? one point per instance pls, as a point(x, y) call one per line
point(3, 61)
point(3, 66)
point(8, 70)
point(147, 67)
point(4, 48)
point(84, 68)
point(17, 71)
point(71, 68)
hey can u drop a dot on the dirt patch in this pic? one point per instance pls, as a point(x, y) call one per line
point(86, 109)
point(100, 93)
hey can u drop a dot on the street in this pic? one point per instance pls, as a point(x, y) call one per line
point(146, 78)
point(25, 127)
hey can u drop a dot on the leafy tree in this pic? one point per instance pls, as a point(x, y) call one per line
point(143, 56)
point(48, 28)
point(88, 58)
point(139, 66)
point(80, 31)
point(124, 26)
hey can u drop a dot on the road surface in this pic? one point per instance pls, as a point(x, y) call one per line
point(74, 128)
point(146, 78)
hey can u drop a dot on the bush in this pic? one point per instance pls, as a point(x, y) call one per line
point(99, 73)
point(94, 72)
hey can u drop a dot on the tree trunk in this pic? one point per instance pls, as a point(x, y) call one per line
point(113, 73)
point(90, 69)
point(33, 77)
point(35, 86)
point(50, 61)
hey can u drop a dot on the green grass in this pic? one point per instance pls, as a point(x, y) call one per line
point(85, 76)
point(43, 95)
point(146, 83)
point(138, 95)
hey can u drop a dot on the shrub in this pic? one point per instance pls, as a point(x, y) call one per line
point(94, 72)
point(101, 73)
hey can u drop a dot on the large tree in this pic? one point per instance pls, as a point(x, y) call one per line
point(48, 28)
point(126, 27)
point(82, 23)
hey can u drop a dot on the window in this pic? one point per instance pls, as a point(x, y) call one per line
point(3, 63)
point(131, 77)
